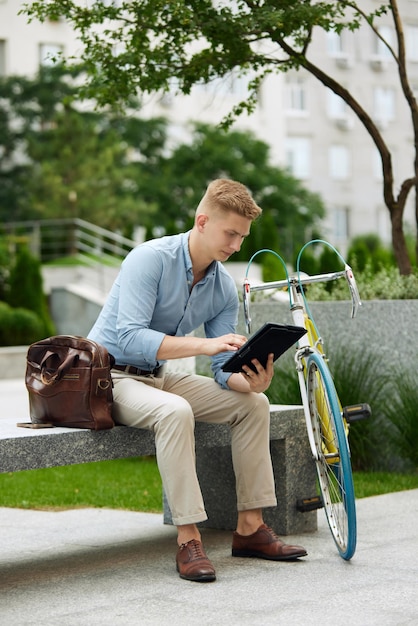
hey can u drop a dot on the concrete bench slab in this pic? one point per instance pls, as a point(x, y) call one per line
point(26, 449)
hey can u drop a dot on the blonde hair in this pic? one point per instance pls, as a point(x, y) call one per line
point(229, 196)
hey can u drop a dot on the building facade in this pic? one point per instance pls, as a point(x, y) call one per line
point(309, 129)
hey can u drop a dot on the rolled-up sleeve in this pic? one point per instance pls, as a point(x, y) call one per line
point(224, 323)
point(138, 293)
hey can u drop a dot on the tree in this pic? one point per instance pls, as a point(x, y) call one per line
point(116, 170)
point(81, 172)
point(60, 161)
point(13, 173)
point(26, 289)
point(213, 153)
point(186, 42)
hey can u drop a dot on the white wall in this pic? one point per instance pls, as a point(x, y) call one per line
point(22, 41)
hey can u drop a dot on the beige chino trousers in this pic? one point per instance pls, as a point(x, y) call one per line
point(169, 406)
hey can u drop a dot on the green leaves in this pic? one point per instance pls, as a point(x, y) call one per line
point(117, 170)
point(147, 44)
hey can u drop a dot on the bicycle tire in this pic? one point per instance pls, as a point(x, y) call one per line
point(333, 462)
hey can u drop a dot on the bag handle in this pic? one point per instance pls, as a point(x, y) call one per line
point(51, 372)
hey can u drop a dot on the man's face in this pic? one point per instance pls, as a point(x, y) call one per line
point(224, 234)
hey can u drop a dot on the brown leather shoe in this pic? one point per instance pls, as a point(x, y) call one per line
point(193, 564)
point(265, 544)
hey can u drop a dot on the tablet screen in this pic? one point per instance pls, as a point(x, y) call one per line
point(270, 338)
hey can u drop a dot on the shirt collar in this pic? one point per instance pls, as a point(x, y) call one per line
point(188, 261)
point(186, 253)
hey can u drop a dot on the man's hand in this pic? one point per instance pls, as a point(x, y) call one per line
point(248, 380)
point(259, 381)
point(182, 347)
point(225, 343)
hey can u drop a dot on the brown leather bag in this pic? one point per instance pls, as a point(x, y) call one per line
point(69, 383)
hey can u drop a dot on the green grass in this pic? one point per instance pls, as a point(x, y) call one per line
point(378, 483)
point(132, 484)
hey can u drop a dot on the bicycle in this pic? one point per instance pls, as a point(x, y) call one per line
point(327, 422)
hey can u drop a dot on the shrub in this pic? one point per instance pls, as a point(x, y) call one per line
point(400, 411)
point(19, 326)
point(26, 288)
point(284, 388)
point(309, 263)
point(387, 439)
point(4, 268)
point(356, 382)
point(386, 284)
point(368, 250)
point(272, 268)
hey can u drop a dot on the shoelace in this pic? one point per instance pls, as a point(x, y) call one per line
point(273, 534)
point(196, 547)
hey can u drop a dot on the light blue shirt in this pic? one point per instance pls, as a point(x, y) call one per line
point(152, 297)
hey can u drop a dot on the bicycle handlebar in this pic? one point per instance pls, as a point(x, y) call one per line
point(297, 280)
point(305, 280)
point(354, 292)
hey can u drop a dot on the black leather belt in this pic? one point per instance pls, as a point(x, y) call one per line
point(131, 369)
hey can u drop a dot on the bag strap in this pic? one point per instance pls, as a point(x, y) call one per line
point(50, 373)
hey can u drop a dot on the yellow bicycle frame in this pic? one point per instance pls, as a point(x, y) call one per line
point(328, 437)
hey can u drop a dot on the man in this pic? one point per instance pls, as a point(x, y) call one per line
point(166, 289)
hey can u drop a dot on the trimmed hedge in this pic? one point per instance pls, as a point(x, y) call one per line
point(19, 327)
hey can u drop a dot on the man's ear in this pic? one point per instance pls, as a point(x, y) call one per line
point(201, 221)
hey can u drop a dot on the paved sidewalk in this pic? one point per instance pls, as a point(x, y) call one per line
point(102, 567)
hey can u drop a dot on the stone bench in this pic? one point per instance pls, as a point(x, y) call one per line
point(26, 449)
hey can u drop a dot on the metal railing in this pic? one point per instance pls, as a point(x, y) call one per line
point(58, 238)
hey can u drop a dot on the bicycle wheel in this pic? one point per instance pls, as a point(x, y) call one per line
point(333, 457)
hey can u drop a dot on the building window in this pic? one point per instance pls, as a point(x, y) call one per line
point(50, 53)
point(2, 57)
point(295, 95)
point(411, 37)
point(336, 106)
point(298, 156)
point(339, 48)
point(384, 105)
point(230, 85)
point(383, 226)
point(339, 111)
point(341, 224)
point(239, 84)
point(335, 43)
point(339, 162)
point(380, 48)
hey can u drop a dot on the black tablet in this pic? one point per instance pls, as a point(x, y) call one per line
point(270, 338)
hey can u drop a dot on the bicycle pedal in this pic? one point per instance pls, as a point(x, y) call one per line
point(356, 412)
point(309, 504)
